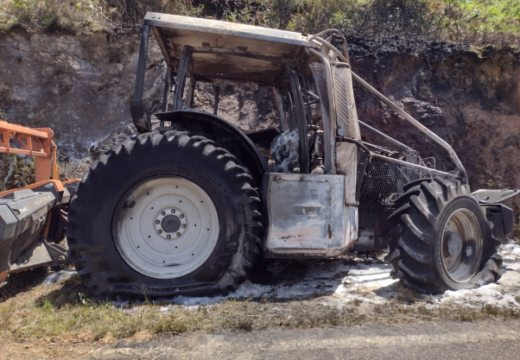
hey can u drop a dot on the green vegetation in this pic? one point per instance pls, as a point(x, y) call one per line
point(48, 15)
point(72, 16)
point(470, 21)
point(486, 16)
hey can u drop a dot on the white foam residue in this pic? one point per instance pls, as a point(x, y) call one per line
point(60, 275)
point(339, 282)
point(321, 280)
point(485, 295)
point(510, 249)
point(370, 281)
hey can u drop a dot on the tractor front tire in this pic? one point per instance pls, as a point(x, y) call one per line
point(441, 239)
point(165, 214)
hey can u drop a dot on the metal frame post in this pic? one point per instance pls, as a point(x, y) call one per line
point(166, 92)
point(391, 140)
point(191, 92)
point(141, 63)
point(181, 77)
point(216, 90)
point(141, 120)
point(279, 106)
point(301, 120)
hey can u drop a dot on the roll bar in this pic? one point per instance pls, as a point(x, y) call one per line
point(398, 110)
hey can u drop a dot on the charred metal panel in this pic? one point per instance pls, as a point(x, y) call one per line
point(494, 196)
point(347, 121)
point(351, 223)
point(23, 215)
point(346, 158)
point(307, 215)
point(501, 217)
point(226, 43)
point(347, 126)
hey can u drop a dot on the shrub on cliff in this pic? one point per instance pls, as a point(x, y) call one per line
point(476, 21)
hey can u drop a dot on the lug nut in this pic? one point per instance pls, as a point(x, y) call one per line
point(163, 213)
point(173, 211)
point(181, 216)
point(184, 225)
point(159, 231)
point(157, 222)
point(168, 237)
point(178, 234)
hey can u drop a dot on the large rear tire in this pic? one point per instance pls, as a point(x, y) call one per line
point(165, 214)
point(441, 239)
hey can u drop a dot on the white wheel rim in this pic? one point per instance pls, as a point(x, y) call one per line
point(463, 264)
point(174, 247)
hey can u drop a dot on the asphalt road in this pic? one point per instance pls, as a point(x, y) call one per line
point(481, 340)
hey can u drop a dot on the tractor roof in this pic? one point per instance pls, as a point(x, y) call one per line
point(216, 44)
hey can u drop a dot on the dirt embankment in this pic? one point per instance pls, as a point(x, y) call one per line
point(78, 85)
point(469, 97)
point(81, 85)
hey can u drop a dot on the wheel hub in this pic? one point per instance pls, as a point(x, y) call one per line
point(454, 244)
point(170, 223)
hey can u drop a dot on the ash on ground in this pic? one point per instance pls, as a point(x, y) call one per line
point(361, 280)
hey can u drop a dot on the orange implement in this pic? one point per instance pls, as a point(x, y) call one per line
point(58, 185)
point(50, 200)
point(33, 142)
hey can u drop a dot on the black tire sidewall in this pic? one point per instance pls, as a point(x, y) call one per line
point(460, 202)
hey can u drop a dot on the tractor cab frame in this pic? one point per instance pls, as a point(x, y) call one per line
point(209, 50)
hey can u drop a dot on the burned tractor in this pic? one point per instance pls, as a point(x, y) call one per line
point(189, 207)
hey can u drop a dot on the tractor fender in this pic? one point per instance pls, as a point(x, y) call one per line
point(223, 133)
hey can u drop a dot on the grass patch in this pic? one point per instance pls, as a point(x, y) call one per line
point(171, 325)
point(50, 15)
point(66, 312)
point(74, 16)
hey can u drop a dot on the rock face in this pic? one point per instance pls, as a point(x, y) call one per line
point(247, 105)
point(81, 85)
point(78, 85)
point(469, 98)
